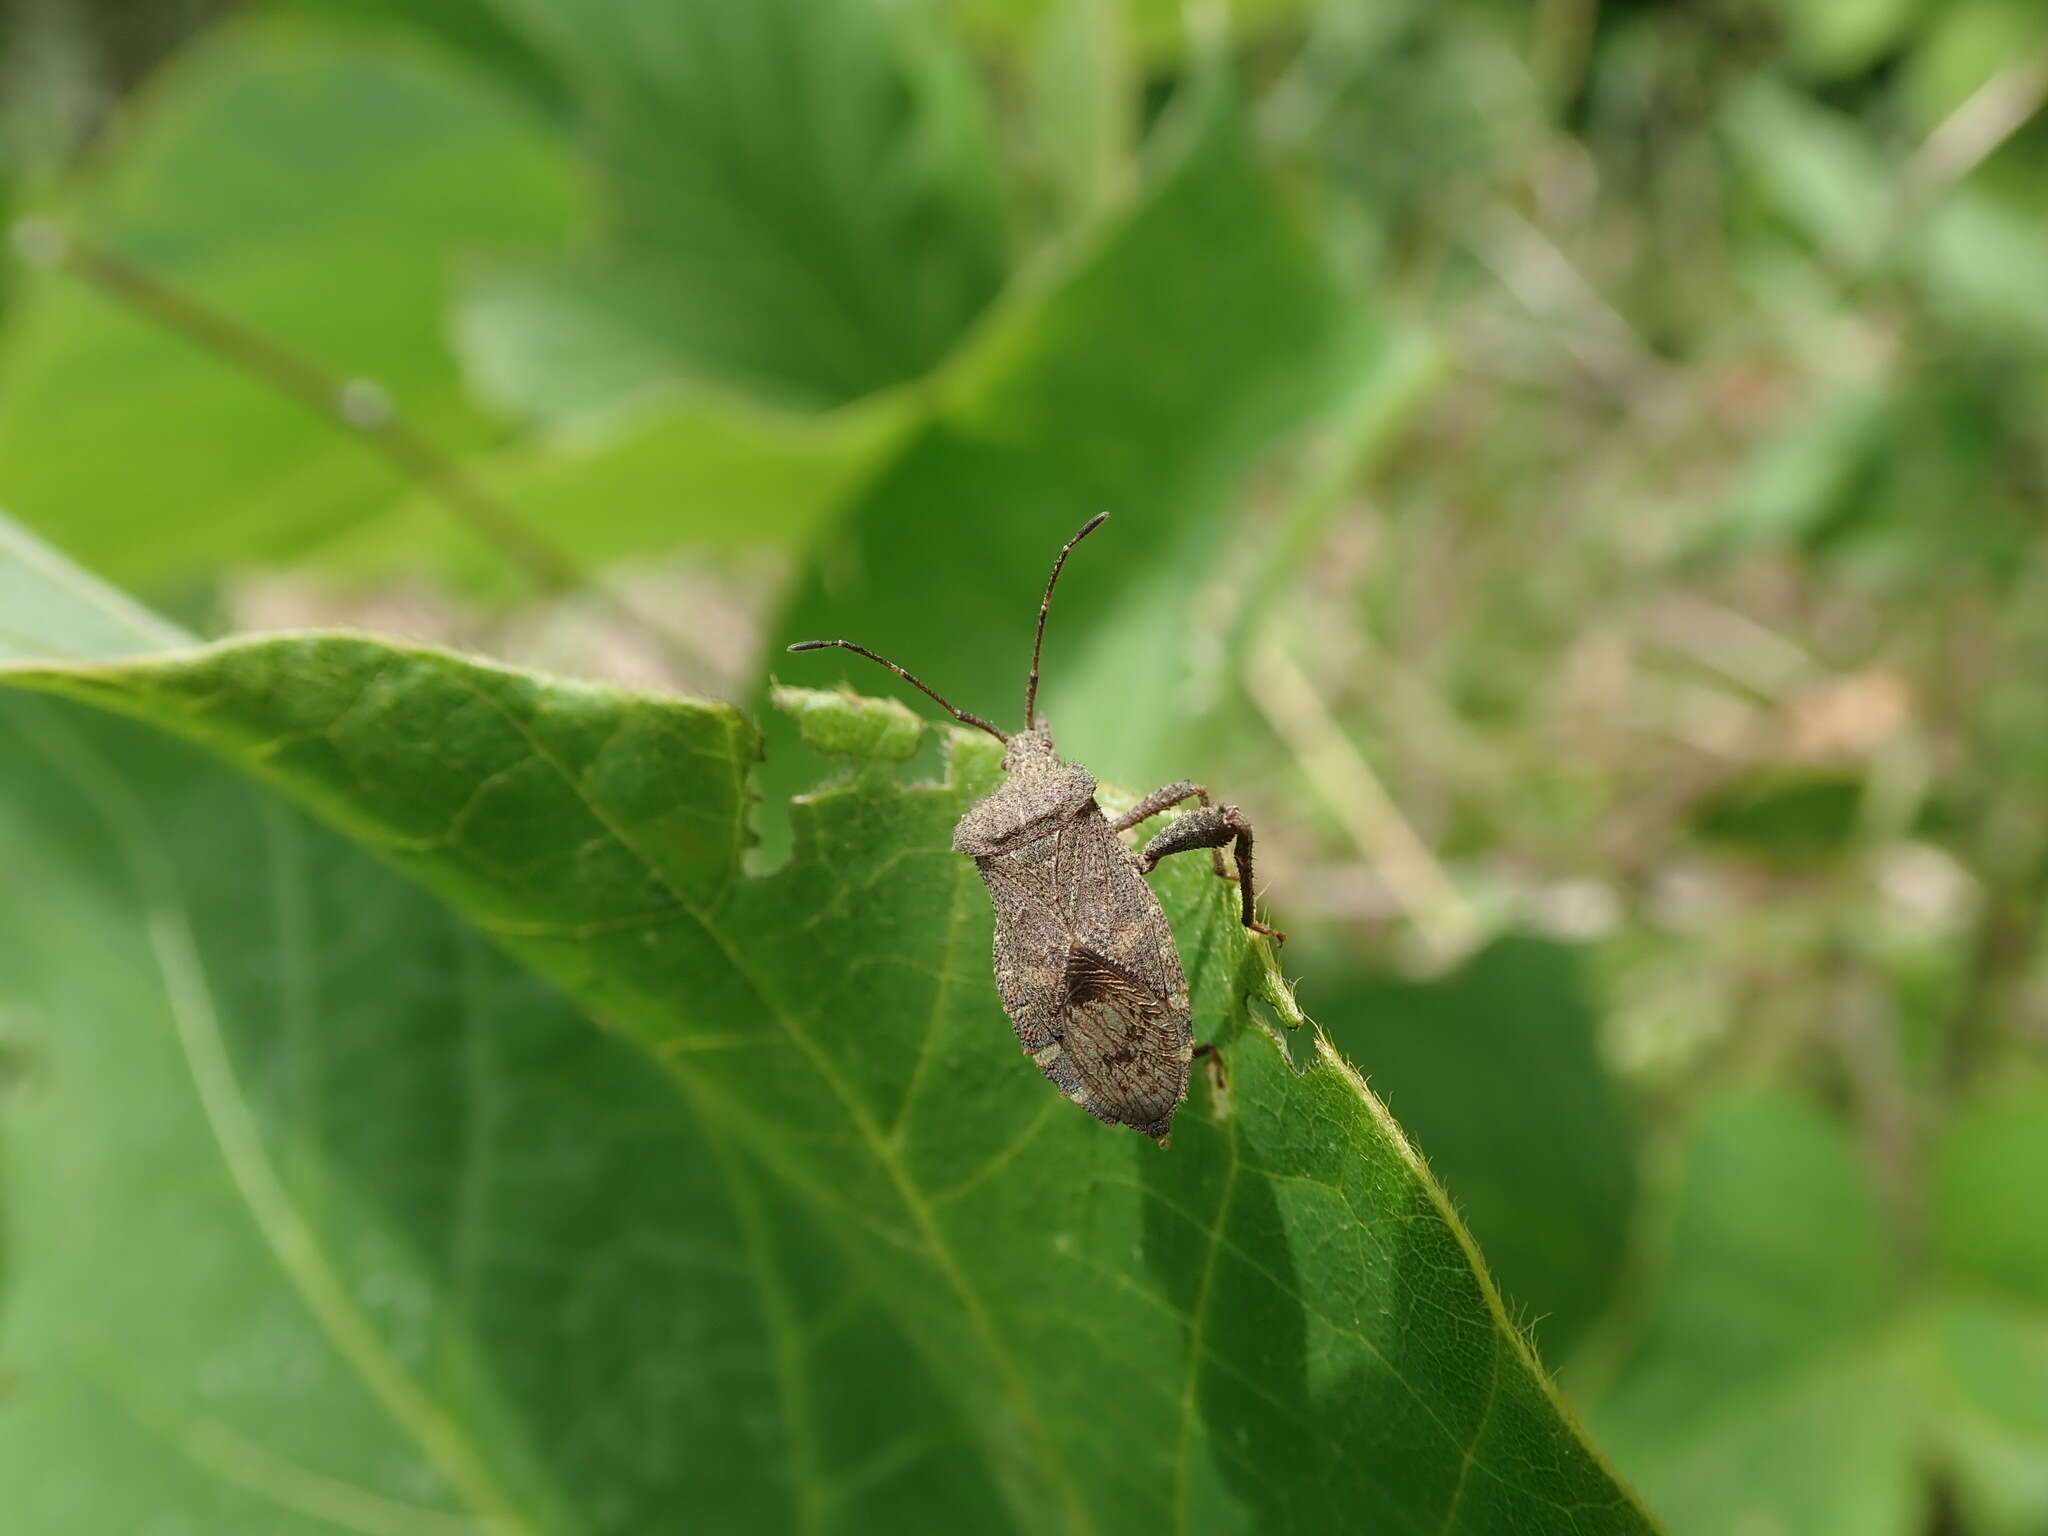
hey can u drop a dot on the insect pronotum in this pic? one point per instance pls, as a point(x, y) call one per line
point(1084, 959)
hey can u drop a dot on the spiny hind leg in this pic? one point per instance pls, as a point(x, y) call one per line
point(1164, 799)
point(1211, 827)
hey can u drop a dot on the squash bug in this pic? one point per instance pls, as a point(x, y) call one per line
point(1084, 960)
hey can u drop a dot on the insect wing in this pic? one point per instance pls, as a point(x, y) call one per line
point(1031, 943)
point(1128, 1049)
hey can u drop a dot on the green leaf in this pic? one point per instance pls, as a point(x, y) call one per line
point(1483, 1067)
point(1967, 43)
point(875, 732)
point(53, 609)
point(1985, 1232)
point(803, 199)
point(1810, 473)
point(152, 459)
point(1987, 1336)
point(1816, 169)
point(1159, 27)
point(472, 29)
point(525, 1282)
point(1781, 1369)
point(697, 471)
point(1966, 252)
point(1759, 1387)
point(1084, 118)
point(1148, 381)
point(1275, 1324)
point(1988, 1365)
point(1836, 38)
point(328, 1216)
point(1785, 813)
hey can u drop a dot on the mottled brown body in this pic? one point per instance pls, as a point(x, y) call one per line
point(1085, 961)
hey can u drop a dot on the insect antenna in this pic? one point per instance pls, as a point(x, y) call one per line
point(958, 714)
point(1038, 643)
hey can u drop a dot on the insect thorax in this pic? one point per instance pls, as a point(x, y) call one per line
point(1037, 794)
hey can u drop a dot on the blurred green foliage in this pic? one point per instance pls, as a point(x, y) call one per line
point(1579, 475)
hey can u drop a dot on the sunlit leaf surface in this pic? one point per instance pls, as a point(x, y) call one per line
point(1273, 1324)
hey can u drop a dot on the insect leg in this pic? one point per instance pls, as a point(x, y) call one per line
point(1165, 799)
point(1211, 827)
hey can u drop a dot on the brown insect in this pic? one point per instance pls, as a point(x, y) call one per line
point(1084, 959)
